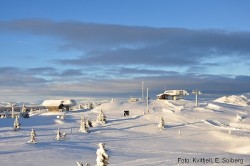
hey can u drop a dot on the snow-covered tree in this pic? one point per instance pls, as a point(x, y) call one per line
point(24, 109)
point(83, 125)
point(239, 117)
point(81, 164)
point(17, 124)
point(62, 116)
point(89, 123)
point(59, 135)
point(101, 118)
point(161, 124)
point(24, 112)
point(32, 137)
point(91, 106)
point(102, 157)
point(179, 132)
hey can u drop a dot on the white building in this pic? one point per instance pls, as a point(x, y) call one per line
point(172, 94)
point(133, 99)
point(52, 105)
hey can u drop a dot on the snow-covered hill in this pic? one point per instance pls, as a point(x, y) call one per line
point(234, 100)
point(192, 134)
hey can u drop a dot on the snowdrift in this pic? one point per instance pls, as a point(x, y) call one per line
point(190, 132)
point(234, 100)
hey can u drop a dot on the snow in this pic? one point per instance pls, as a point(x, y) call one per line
point(58, 102)
point(234, 100)
point(190, 133)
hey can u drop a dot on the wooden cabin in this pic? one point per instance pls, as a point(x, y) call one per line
point(133, 99)
point(172, 94)
point(52, 105)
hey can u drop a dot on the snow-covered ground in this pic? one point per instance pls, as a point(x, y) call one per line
point(215, 133)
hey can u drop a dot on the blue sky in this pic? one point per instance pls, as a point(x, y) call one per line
point(74, 49)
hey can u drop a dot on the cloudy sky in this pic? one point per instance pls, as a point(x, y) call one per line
point(88, 48)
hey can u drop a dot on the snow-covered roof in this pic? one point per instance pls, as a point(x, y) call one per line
point(48, 103)
point(160, 94)
point(176, 92)
point(133, 99)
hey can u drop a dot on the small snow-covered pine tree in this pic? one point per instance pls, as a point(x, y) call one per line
point(32, 137)
point(24, 109)
point(83, 125)
point(179, 132)
point(59, 135)
point(91, 105)
point(102, 157)
point(17, 124)
point(238, 117)
point(81, 164)
point(101, 118)
point(161, 124)
point(62, 117)
point(89, 123)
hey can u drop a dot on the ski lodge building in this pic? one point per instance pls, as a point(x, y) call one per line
point(172, 94)
point(53, 105)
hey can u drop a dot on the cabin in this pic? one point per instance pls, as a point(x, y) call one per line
point(133, 99)
point(53, 105)
point(172, 94)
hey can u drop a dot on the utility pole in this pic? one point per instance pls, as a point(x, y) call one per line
point(13, 109)
point(196, 92)
point(142, 96)
point(147, 101)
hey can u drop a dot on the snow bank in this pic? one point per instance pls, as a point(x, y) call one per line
point(234, 100)
point(165, 106)
point(213, 106)
point(241, 150)
point(240, 125)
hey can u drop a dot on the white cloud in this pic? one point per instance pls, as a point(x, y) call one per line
point(115, 59)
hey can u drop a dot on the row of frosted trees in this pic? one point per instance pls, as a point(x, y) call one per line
point(102, 157)
point(85, 123)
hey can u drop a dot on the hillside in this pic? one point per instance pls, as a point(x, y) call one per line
point(190, 133)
